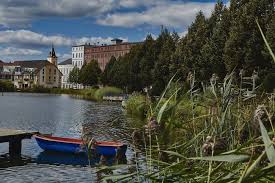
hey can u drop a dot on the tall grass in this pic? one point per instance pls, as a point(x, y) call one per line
point(137, 105)
point(107, 91)
point(215, 135)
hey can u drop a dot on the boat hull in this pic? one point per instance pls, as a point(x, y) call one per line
point(58, 146)
point(67, 145)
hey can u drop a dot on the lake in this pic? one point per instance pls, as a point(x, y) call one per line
point(59, 115)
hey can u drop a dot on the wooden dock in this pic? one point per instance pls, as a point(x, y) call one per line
point(114, 98)
point(14, 138)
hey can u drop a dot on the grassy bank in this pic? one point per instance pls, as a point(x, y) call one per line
point(137, 105)
point(95, 94)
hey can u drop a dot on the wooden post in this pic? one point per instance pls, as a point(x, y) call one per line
point(15, 146)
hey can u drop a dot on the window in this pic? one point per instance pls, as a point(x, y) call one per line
point(54, 71)
point(73, 55)
point(43, 79)
point(49, 78)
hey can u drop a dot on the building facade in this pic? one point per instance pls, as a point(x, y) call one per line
point(78, 55)
point(102, 54)
point(65, 68)
point(30, 73)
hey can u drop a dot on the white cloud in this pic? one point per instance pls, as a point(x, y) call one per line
point(170, 14)
point(11, 51)
point(21, 12)
point(182, 34)
point(29, 39)
point(64, 56)
point(154, 36)
point(140, 3)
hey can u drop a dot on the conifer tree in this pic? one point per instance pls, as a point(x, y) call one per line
point(147, 62)
point(106, 75)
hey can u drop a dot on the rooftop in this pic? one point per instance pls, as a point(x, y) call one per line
point(66, 62)
point(89, 45)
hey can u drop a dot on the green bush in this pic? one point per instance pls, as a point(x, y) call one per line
point(107, 91)
point(137, 105)
point(6, 86)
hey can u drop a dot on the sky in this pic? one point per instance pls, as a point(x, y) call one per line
point(28, 28)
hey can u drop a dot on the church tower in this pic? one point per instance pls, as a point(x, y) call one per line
point(52, 57)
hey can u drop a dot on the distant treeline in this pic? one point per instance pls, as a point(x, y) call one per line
point(229, 40)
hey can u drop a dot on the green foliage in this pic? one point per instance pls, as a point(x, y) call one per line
point(107, 74)
point(107, 91)
point(137, 105)
point(234, 128)
point(90, 74)
point(6, 86)
point(244, 46)
point(228, 40)
point(74, 75)
point(268, 84)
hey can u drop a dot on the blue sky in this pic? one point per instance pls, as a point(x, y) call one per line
point(29, 27)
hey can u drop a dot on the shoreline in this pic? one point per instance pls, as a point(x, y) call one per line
point(91, 94)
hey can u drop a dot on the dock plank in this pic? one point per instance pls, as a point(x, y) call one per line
point(14, 137)
point(8, 134)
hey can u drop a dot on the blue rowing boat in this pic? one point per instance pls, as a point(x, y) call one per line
point(70, 145)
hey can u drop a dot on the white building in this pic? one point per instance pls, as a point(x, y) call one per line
point(65, 68)
point(78, 55)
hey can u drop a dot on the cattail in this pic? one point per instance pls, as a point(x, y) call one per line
point(259, 113)
point(214, 79)
point(208, 146)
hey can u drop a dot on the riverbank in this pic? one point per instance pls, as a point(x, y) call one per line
point(95, 94)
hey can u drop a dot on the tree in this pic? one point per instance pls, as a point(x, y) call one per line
point(74, 75)
point(244, 47)
point(147, 62)
point(213, 50)
point(166, 44)
point(106, 75)
point(90, 74)
point(191, 45)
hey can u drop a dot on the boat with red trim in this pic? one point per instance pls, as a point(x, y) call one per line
point(71, 145)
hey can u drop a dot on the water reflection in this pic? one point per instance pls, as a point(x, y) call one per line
point(81, 159)
point(56, 158)
point(6, 161)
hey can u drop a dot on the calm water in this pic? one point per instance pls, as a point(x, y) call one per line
point(59, 115)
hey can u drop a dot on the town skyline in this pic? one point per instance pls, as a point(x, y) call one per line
point(29, 34)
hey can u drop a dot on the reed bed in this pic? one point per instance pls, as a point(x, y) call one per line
point(217, 132)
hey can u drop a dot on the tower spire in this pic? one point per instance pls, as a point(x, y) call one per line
point(52, 56)
point(53, 52)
